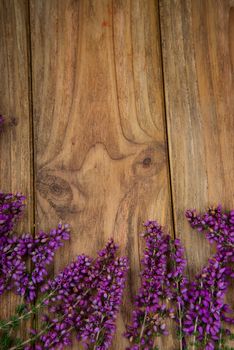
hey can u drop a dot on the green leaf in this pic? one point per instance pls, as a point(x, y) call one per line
point(18, 343)
point(21, 309)
point(14, 322)
point(3, 325)
point(5, 341)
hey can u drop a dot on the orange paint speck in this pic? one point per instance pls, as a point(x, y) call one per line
point(105, 24)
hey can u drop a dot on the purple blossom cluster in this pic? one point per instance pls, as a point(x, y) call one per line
point(84, 298)
point(205, 310)
point(99, 328)
point(14, 254)
point(218, 227)
point(11, 209)
point(161, 280)
point(206, 313)
point(1, 121)
point(15, 250)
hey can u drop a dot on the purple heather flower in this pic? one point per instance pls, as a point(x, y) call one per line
point(176, 279)
point(12, 263)
point(205, 309)
point(1, 121)
point(177, 283)
point(218, 227)
point(100, 327)
point(42, 253)
point(78, 296)
point(148, 319)
point(70, 292)
point(14, 252)
point(11, 208)
point(200, 308)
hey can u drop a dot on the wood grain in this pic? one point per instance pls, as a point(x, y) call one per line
point(15, 140)
point(197, 42)
point(100, 146)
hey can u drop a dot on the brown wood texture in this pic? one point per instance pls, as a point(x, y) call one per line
point(100, 145)
point(197, 37)
point(15, 140)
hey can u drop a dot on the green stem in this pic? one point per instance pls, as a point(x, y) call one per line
point(143, 326)
point(30, 340)
point(196, 323)
point(145, 315)
point(180, 326)
point(98, 334)
point(220, 340)
point(181, 335)
point(27, 314)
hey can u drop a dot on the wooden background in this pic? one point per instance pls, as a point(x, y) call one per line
point(118, 111)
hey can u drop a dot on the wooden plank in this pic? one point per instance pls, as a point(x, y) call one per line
point(197, 41)
point(199, 103)
point(101, 157)
point(15, 140)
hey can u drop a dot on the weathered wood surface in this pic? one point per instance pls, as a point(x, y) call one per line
point(15, 140)
point(100, 128)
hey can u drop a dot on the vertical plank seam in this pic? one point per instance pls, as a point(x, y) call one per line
point(30, 98)
point(166, 127)
point(31, 133)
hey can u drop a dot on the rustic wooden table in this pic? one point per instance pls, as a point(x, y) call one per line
point(119, 111)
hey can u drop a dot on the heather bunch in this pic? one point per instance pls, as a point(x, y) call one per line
point(151, 310)
point(100, 326)
point(211, 285)
point(205, 311)
point(109, 276)
point(83, 299)
point(218, 227)
point(16, 251)
point(69, 294)
point(198, 306)
point(11, 209)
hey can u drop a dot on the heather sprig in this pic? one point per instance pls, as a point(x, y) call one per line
point(218, 227)
point(16, 251)
point(100, 326)
point(178, 283)
point(148, 319)
point(76, 298)
point(11, 209)
point(24, 312)
point(205, 312)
